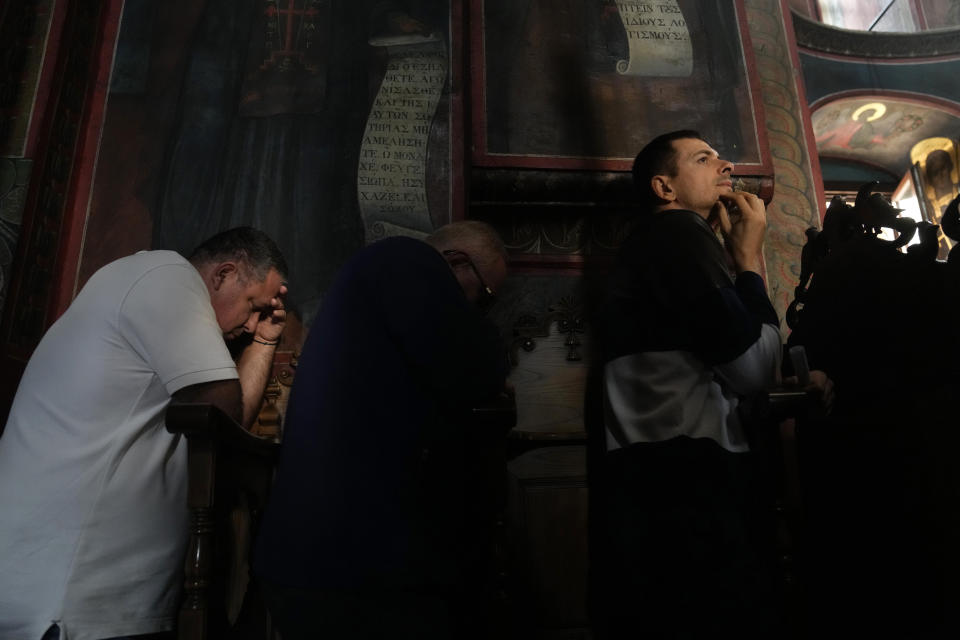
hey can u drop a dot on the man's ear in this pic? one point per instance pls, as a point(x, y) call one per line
point(661, 187)
point(221, 272)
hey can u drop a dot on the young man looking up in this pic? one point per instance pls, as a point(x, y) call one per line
point(684, 342)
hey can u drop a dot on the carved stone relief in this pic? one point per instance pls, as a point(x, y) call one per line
point(868, 44)
point(794, 207)
point(545, 320)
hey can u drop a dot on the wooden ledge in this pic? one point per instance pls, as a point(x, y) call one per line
point(205, 420)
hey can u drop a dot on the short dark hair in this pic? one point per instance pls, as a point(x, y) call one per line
point(659, 157)
point(252, 248)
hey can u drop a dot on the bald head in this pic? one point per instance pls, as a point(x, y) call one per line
point(477, 238)
point(471, 241)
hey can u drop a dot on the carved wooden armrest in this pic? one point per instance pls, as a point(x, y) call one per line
point(230, 471)
point(206, 420)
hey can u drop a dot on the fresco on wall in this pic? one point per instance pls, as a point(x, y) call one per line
point(802, 7)
point(937, 181)
point(878, 131)
point(585, 84)
point(26, 29)
point(326, 123)
point(941, 14)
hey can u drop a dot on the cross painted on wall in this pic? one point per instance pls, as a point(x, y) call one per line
point(291, 30)
point(288, 59)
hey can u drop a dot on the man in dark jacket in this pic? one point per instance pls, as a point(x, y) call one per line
point(688, 333)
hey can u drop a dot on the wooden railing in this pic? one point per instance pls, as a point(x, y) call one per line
point(230, 471)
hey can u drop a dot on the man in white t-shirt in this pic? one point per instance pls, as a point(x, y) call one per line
point(93, 514)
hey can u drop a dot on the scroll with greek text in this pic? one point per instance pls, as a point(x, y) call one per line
point(658, 39)
point(391, 175)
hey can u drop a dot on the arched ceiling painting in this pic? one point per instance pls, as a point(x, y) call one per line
point(879, 131)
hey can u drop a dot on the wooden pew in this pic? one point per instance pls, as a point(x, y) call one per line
point(230, 472)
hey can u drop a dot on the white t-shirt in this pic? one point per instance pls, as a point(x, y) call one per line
point(93, 514)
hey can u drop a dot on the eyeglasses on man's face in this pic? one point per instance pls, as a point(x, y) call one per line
point(486, 296)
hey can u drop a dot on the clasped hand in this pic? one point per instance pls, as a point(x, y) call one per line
point(742, 219)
